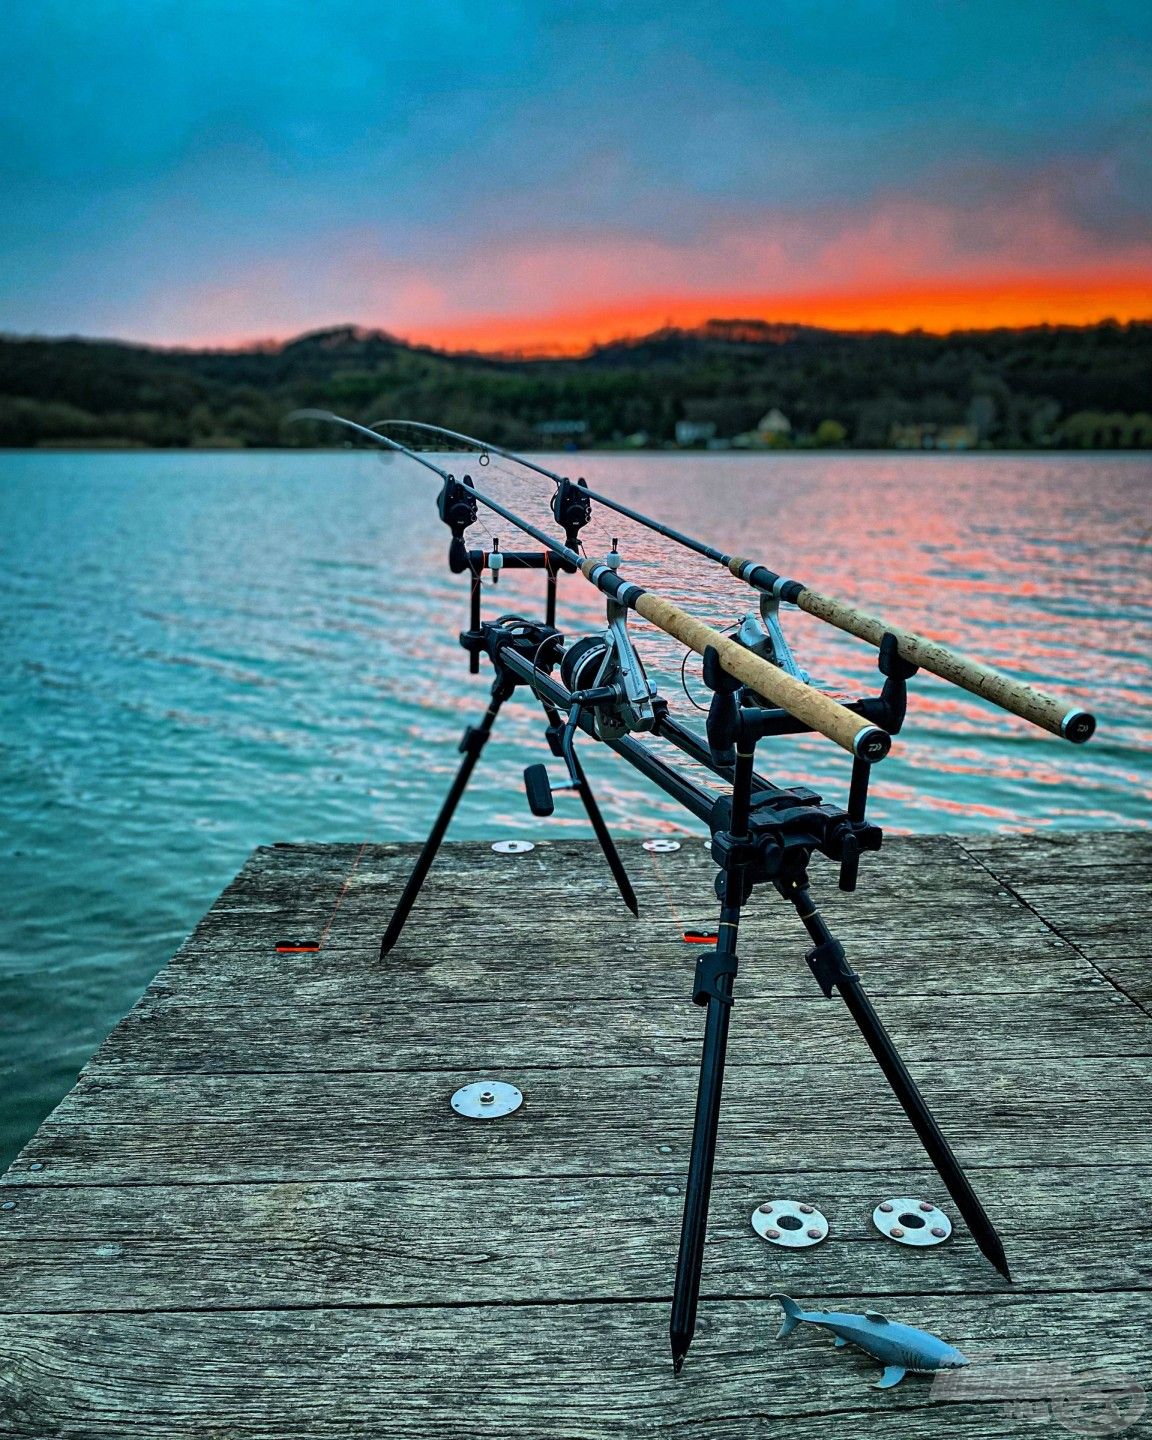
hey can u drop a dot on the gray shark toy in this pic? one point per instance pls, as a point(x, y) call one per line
point(899, 1348)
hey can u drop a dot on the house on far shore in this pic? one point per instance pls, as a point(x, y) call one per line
point(571, 434)
point(694, 432)
point(774, 426)
point(933, 437)
point(772, 431)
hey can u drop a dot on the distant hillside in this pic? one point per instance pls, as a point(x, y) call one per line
point(1047, 386)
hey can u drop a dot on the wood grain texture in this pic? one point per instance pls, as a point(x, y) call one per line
point(257, 1215)
point(1092, 891)
point(565, 1372)
point(546, 1239)
point(129, 1128)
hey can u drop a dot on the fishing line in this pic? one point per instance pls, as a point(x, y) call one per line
point(295, 947)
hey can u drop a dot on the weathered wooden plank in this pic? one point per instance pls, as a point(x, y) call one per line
point(491, 962)
point(1020, 857)
point(576, 1238)
point(165, 1034)
point(447, 1271)
point(580, 1372)
point(1094, 891)
point(142, 1128)
point(931, 920)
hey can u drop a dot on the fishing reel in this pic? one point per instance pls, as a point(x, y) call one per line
point(609, 666)
point(606, 679)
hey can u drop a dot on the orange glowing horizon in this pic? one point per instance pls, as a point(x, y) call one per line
point(1010, 303)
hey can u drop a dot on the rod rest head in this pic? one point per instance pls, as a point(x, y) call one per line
point(784, 828)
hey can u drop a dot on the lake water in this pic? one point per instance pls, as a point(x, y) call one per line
point(202, 653)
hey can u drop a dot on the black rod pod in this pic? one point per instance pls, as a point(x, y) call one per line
point(761, 832)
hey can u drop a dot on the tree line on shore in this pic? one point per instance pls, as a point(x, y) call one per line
point(1083, 387)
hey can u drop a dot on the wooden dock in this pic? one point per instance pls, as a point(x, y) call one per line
point(256, 1215)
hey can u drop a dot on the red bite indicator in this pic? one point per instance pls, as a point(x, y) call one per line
point(293, 947)
point(700, 937)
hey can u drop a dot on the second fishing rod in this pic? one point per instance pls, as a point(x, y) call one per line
point(1028, 702)
point(818, 711)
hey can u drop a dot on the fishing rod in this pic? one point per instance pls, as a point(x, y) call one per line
point(761, 832)
point(1026, 701)
point(809, 705)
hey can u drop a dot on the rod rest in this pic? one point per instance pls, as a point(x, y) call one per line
point(462, 561)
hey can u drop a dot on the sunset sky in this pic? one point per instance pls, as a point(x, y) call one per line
point(544, 174)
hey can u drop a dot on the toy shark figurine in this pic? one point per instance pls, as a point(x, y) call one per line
point(899, 1348)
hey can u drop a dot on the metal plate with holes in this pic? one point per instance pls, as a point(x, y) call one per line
point(487, 1100)
point(911, 1221)
point(661, 847)
point(513, 847)
point(792, 1223)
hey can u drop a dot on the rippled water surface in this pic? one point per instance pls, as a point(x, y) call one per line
point(202, 653)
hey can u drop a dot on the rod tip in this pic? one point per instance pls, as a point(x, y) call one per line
point(677, 1363)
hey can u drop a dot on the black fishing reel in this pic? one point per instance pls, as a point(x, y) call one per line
point(608, 665)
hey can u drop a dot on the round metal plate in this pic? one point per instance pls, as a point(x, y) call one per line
point(911, 1221)
point(661, 847)
point(513, 847)
point(792, 1223)
point(487, 1100)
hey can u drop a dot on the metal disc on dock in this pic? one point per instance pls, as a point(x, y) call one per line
point(513, 847)
point(910, 1221)
point(661, 847)
point(487, 1100)
point(792, 1223)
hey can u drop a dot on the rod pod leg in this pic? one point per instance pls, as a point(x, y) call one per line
point(832, 971)
point(472, 743)
point(697, 1193)
point(715, 974)
point(607, 844)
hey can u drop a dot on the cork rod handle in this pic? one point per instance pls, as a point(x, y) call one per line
point(857, 735)
point(1031, 704)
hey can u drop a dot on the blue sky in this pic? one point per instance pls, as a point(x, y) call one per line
point(199, 171)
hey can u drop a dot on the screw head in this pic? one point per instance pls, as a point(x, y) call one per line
point(926, 1205)
point(896, 1231)
point(771, 1234)
point(8, 1205)
point(36, 1165)
point(815, 1234)
point(766, 1208)
point(805, 1209)
point(939, 1231)
point(665, 1149)
point(886, 1207)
